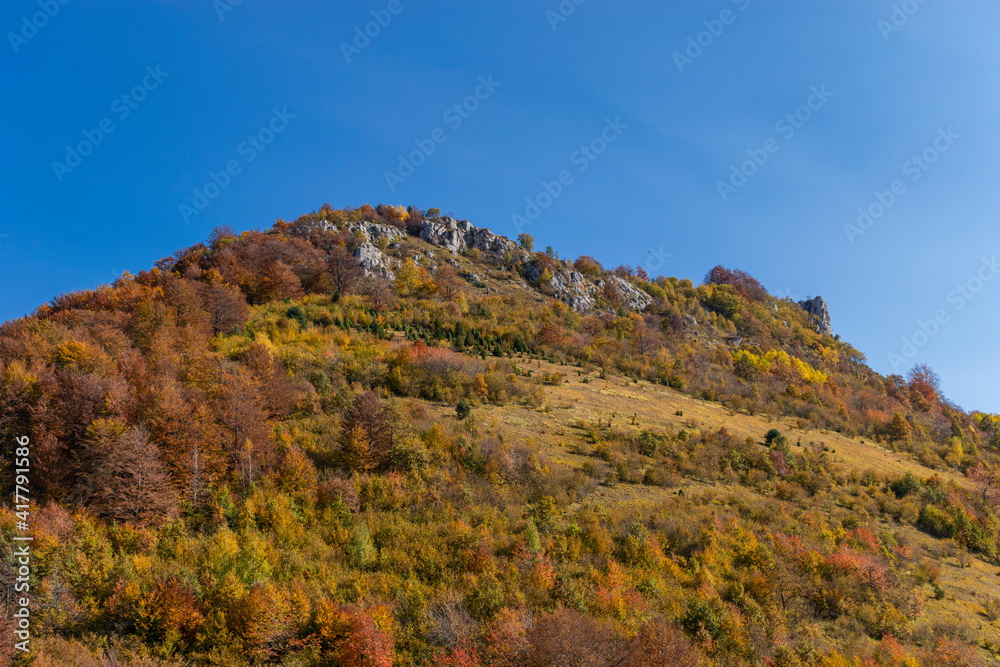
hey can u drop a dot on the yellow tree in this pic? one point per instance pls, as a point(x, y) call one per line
point(413, 280)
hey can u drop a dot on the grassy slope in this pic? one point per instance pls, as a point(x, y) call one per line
point(550, 430)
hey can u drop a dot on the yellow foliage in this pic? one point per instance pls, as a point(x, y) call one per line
point(75, 355)
point(413, 280)
point(773, 358)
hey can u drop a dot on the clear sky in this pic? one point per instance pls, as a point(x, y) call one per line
point(667, 97)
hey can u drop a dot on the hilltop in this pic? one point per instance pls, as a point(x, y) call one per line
point(381, 435)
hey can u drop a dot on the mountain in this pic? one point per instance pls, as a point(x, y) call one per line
point(383, 436)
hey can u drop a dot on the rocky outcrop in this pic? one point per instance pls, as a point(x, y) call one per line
point(444, 232)
point(459, 235)
point(373, 262)
point(573, 289)
point(633, 297)
point(374, 232)
point(820, 313)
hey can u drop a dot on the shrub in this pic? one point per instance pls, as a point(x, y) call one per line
point(589, 266)
point(775, 438)
point(299, 315)
point(463, 409)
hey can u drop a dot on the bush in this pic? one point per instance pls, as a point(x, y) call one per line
point(775, 438)
point(463, 409)
point(906, 485)
point(296, 313)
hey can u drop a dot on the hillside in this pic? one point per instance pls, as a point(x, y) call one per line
point(382, 436)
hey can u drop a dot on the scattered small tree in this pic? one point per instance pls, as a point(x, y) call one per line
point(299, 315)
point(775, 438)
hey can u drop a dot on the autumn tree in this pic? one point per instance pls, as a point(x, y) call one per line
point(448, 282)
point(169, 615)
point(265, 623)
point(659, 643)
point(226, 307)
point(898, 430)
point(925, 386)
point(278, 393)
point(221, 235)
point(343, 268)
point(369, 433)
point(570, 638)
point(241, 414)
point(413, 280)
point(641, 334)
point(414, 220)
point(747, 286)
point(126, 480)
point(379, 294)
point(612, 293)
point(986, 477)
point(366, 645)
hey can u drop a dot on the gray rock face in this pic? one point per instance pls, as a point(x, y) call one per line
point(573, 289)
point(460, 235)
point(444, 232)
point(373, 262)
point(635, 299)
point(820, 313)
point(374, 232)
point(568, 285)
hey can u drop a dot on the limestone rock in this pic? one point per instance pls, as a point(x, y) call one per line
point(459, 235)
point(635, 298)
point(373, 262)
point(374, 232)
point(820, 313)
point(444, 232)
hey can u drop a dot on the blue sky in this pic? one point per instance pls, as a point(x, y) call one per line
point(211, 75)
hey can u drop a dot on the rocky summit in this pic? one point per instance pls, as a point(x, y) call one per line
point(818, 310)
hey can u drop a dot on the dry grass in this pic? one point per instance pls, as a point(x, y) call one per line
point(655, 408)
point(971, 607)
